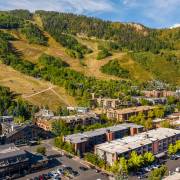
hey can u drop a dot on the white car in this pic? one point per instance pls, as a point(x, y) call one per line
point(177, 169)
point(177, 155)
point(148, 169)
point(59, 171)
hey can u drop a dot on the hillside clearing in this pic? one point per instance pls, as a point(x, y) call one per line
point(26, 86)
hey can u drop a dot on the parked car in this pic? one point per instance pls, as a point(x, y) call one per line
point(69, 156)
point(83, 168)
point(177, 155)
point(60, 171)
point(97, 170)
point(177, 169)
point(57, 178)
point(75, 173)
point(173, 157)
point(147, 169)
point(68, 168)
point(143, 176)
point(50, 175)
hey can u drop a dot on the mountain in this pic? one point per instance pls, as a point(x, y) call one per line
point(78, 55)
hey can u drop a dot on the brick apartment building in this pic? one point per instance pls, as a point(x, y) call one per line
point(83, 119)
point(125, 114)
point(84, 142)
point(155, 141)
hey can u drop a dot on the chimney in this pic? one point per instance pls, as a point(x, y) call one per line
point(109, 135)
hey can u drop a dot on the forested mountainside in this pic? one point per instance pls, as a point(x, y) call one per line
point(85, 54)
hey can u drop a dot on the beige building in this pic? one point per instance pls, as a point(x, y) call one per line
point(159, 93)
point(108, 103)
point(84, 119)
point(125, 114)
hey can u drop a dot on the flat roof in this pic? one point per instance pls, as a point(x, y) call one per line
point(79, 116)
point(10, 150)
point(132, 109)
point(73, 117)
point(132, 142)
point(158, 120)
point(82, 137)
point(108, 99)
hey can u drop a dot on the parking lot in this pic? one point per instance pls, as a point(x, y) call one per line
point(63, 161)
point(171, 164)
point(90, 174)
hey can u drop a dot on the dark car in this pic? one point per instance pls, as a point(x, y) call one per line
point(45, 176)
point(75, 173)
point(98, 171)
point(68, 168)
point(83, 168)
point(173, 158)
point(68, 156)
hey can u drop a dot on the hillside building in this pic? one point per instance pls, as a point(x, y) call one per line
point(159, 93)
point(125, 114)
point(151, 100)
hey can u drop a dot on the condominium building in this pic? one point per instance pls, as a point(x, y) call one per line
point(159, 93)
point(155, 141)
point(125, 114)
point(108, 102)
point(84, 142)
point(83, 119)
point(151, 100)
point(78, 109)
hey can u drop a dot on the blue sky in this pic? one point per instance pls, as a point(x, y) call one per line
point(152, 13)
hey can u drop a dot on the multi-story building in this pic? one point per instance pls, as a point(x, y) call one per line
point(125, 114)
point(12, 161)
point(78, 109)
point(44, 113)
point(108, 103)
point(24, 134)
point(151, 100)
point(155, 141)
point(174, 116)
point(15, 162)
point(159, 93)
point(6, 119)
point(84, 142)
point(83, 119)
